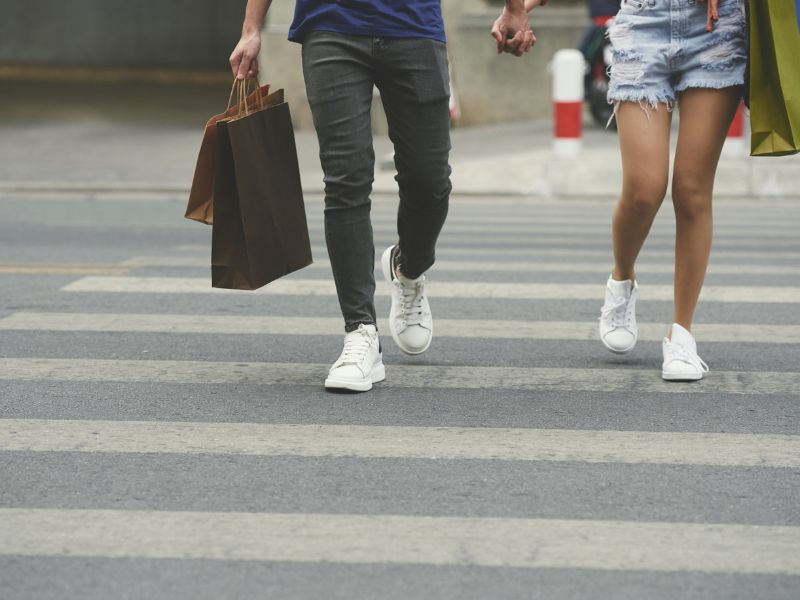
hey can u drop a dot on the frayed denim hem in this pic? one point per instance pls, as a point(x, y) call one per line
point(646, 100)
point(709, 84)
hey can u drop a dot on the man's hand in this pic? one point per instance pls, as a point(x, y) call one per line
point(512, 31)
point(244, 60)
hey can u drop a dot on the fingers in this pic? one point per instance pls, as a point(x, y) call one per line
point(253, 70)
point(235, 59)
point(499, 35)
point(247, 66)
point(244, 67)
point(530, 40)
point(514, 44)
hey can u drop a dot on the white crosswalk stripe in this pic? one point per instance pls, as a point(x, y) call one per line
point(398, 376)
point(537, 253)
point(491, 542)
point(479, 266)
point(595, 230)
point(473, 443)
point(316, 326)
point(441, 289)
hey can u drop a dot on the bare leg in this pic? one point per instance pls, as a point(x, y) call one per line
point(706, 115)
point(644, 144)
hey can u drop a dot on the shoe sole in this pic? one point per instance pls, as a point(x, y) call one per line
point(616, 350)
point(680, 377)
point(377, 375)
point(386, 267)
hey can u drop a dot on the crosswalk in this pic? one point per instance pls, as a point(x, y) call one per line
point(445, 289)
point(146, 331)
point(472, 443)
point(399, 376)
point(472, 542)
point(319, 326)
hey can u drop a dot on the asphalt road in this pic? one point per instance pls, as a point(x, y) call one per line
point(159, 440)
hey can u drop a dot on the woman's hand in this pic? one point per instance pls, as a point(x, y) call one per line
point(713, 16)
point(244, 60)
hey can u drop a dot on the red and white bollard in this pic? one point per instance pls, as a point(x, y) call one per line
point(734, 142)
point(569, 68)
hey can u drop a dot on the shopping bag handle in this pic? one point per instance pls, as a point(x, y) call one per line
point(241, 87)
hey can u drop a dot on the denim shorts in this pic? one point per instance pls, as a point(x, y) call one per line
point(661, 47)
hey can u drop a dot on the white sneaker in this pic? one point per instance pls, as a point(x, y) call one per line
point(681, 362)
point(360, 364)
point(618, 330)
point(410, 319)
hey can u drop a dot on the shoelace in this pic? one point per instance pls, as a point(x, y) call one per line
point(356, 346)
point(612, 313)
point(682, 353)
point(411, 297)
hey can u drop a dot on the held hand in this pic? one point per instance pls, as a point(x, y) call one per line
point(713, 15)
point(244, 59)
point(512, 32)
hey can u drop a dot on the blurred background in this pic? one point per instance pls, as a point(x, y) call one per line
point(188, 42)
point(105, 93)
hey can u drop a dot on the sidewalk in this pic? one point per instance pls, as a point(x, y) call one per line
point(145, 139)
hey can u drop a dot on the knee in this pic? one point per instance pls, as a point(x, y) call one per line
point(428, 181)
point(691, 200)
point(348, 190)
point(644, 198)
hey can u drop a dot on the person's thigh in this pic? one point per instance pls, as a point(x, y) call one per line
point(413, 79)
point(644, 148)
point(339, 83)
point(706, 115)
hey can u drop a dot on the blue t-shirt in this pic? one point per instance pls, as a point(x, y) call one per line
point(374, 18)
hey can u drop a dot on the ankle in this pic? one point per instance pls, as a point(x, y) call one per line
point(619, 274)
point(687, 325)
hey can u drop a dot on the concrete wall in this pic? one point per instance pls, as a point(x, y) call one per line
point(200, 34)
point(119, 33)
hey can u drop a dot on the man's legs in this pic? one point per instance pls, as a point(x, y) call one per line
point(339, 84)
point(414, 83)
point(413, 79)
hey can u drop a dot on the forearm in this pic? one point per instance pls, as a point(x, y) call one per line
point(254, 16)
point(515, 5)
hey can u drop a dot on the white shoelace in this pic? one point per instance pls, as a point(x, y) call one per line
point(678, 352)
point(411, 298)
point(356, 346)
point(614, 315)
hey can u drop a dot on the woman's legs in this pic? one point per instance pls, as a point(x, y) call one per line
point(644, 144)
point(706, 115)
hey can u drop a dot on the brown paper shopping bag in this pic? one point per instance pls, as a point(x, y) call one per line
point(260, 231)
point(201, 197)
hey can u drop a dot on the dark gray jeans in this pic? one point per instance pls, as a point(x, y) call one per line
point(411, 75)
